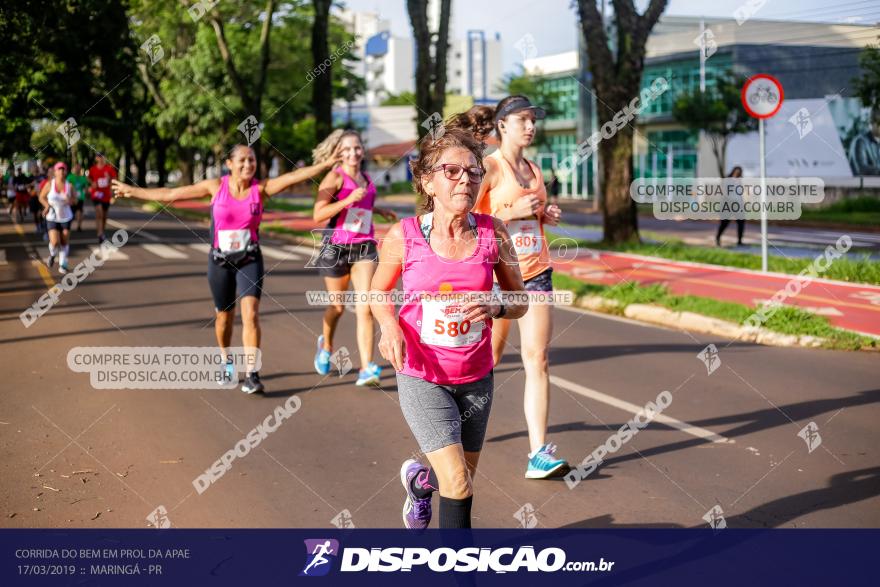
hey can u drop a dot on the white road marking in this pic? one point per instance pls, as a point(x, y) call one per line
point(201, 247)
point(666, 268)
point(280, 254)
point(635, 409)
point(143, 233)
point(307, 251)
point(163, 251)
point(115, 254)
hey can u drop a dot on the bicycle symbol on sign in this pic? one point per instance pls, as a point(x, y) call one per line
point(763, 94)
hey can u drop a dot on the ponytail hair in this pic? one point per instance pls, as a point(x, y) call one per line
point(479, 120)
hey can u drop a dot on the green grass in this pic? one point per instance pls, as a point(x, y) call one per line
point(785, 320)
point(862, 211)
point(860, 270)
point(287, 206)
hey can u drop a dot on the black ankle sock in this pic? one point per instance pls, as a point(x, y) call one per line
point(425, 489)
point(455, 513)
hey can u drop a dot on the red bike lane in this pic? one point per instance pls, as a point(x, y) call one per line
point(846, 305)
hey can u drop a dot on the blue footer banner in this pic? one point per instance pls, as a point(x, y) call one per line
point(480, 557)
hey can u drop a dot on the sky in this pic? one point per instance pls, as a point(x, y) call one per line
point(553, 23)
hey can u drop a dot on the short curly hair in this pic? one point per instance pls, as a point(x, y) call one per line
point(432, 150)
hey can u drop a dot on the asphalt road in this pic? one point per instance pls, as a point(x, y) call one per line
point(74, 456)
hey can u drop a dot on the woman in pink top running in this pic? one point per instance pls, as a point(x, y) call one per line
point(346, 198)
point(235, 263)
point(441, 344)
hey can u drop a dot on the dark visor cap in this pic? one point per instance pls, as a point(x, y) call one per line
point(518, 105)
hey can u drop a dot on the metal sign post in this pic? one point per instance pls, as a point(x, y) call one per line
point(763, 195)
point(762, 97)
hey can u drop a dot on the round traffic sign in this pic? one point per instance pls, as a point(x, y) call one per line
point(762, 95)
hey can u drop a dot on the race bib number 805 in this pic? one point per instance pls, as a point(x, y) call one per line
point(526, 236)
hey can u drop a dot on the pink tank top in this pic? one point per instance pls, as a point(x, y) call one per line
point(440, 346)
point(230, 217)
point(355, 223)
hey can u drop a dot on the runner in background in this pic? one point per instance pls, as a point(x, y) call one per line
point(235, 263)
point(34, 199)
point(346, 198)
point(101, 175)
point(80, 185)
point(514, 192)
point(441, 346)
point(56, 199)
point(22, 183)
point(9, 187)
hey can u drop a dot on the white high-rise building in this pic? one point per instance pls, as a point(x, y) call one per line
point(388, 62)
point(474, 66)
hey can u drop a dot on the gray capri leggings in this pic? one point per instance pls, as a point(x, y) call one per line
point(442, 415)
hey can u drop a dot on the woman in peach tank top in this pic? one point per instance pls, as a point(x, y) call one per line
point(513, 191)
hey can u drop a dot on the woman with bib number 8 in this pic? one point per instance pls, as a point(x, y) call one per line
point(235, 263)
point(514, 192)
point(346, 198)
point(440, 345)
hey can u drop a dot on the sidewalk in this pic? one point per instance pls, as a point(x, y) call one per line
point(846, 305)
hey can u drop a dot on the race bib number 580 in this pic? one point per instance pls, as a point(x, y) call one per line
point(443, 324)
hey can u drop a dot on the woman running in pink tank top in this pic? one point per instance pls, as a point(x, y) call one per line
point(441, 343)
point(235, 263)
point(346, 198)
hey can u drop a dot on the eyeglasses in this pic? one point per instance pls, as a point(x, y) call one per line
point(453, 172)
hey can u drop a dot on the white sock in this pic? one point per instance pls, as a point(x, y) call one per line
point(65, 250)
point(53, 250)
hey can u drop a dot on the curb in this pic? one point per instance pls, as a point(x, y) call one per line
point(698, 323)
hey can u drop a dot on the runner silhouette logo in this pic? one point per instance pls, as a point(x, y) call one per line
point(320, 554)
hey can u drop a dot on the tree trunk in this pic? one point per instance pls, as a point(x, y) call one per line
point(619, 212)
point(430, 72)
point(322, 85)
point(161, 157)
point(617, 77)
point(125, 170)
point(187, 165)
point(142, 157)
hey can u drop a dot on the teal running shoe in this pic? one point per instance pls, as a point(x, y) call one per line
point(322, 358)
point(369, 376)
point(544, 464)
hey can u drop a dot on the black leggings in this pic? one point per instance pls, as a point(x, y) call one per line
point(740, 228)
point(225, 279)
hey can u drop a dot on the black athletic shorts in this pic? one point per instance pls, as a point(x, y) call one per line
point(336, 260)
point(104, 205)
point(230, 282)
point(59, 225)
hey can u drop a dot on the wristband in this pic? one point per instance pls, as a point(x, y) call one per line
point(500, 313)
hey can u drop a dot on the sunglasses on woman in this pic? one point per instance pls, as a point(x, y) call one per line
point(454, 171)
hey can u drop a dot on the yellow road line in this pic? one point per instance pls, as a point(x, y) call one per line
point(41, 268)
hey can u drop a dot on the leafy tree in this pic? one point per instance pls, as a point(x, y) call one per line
point(718, 112)
point(867, 85)
point(401, 99)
